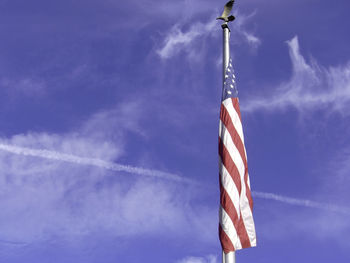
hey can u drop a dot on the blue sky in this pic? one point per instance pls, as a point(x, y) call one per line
point(109, 129)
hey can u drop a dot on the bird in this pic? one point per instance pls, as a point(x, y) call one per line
point(227, 10)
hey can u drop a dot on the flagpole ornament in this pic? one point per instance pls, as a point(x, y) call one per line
point(226, 13)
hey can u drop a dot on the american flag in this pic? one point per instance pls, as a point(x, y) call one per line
point(236, 227)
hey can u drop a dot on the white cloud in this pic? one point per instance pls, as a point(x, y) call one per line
point(178, 40)
point(252, 40)
point(24, 86)
point(207, 259)
point(238, 29)
point(277, 223)
point(45, 198)
point(311, 87)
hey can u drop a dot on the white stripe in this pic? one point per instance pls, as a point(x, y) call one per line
point(247, 216)
point(232, 149)
point(248, 182)
point(229, 228)
point(234, 117)
point(235, 120)
point(248, 220)
point(230, 186)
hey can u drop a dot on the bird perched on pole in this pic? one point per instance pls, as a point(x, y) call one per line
point(227, 10)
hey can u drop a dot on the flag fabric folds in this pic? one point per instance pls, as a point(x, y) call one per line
point(236, 227)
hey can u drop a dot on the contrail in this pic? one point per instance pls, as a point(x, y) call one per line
point(301, 202)
point(53, 155)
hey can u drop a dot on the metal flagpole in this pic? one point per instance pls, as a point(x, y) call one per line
point(229, 257)
point(226, 17)
point(226, 49)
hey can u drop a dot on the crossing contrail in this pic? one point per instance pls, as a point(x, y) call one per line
point(58, 156)
point(63, 157)
point(301, 202)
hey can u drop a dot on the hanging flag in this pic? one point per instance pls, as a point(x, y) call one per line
point(236, 227)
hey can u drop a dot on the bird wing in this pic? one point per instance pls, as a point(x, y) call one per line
point(228, 8)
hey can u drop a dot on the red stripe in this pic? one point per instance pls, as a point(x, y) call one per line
point(229, 208)
point(243, 234)
point(248, 192)
point(228, 205)
point(227, 121)
point(230, 165)
point(225, 241)
point(235, 103)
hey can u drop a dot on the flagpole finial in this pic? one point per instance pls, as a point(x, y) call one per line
point(225, 16)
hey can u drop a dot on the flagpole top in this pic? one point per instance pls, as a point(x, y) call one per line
point(226, 14)
point(225, 25)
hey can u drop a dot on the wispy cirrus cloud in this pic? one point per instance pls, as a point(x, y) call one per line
point(310, 87)
point(178, 40)
point(206, 259)
point(239, 29)
point(51, 190)
point(27, 86)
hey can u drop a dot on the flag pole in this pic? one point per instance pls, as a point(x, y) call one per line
point(226, 49)
point(229, 257)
